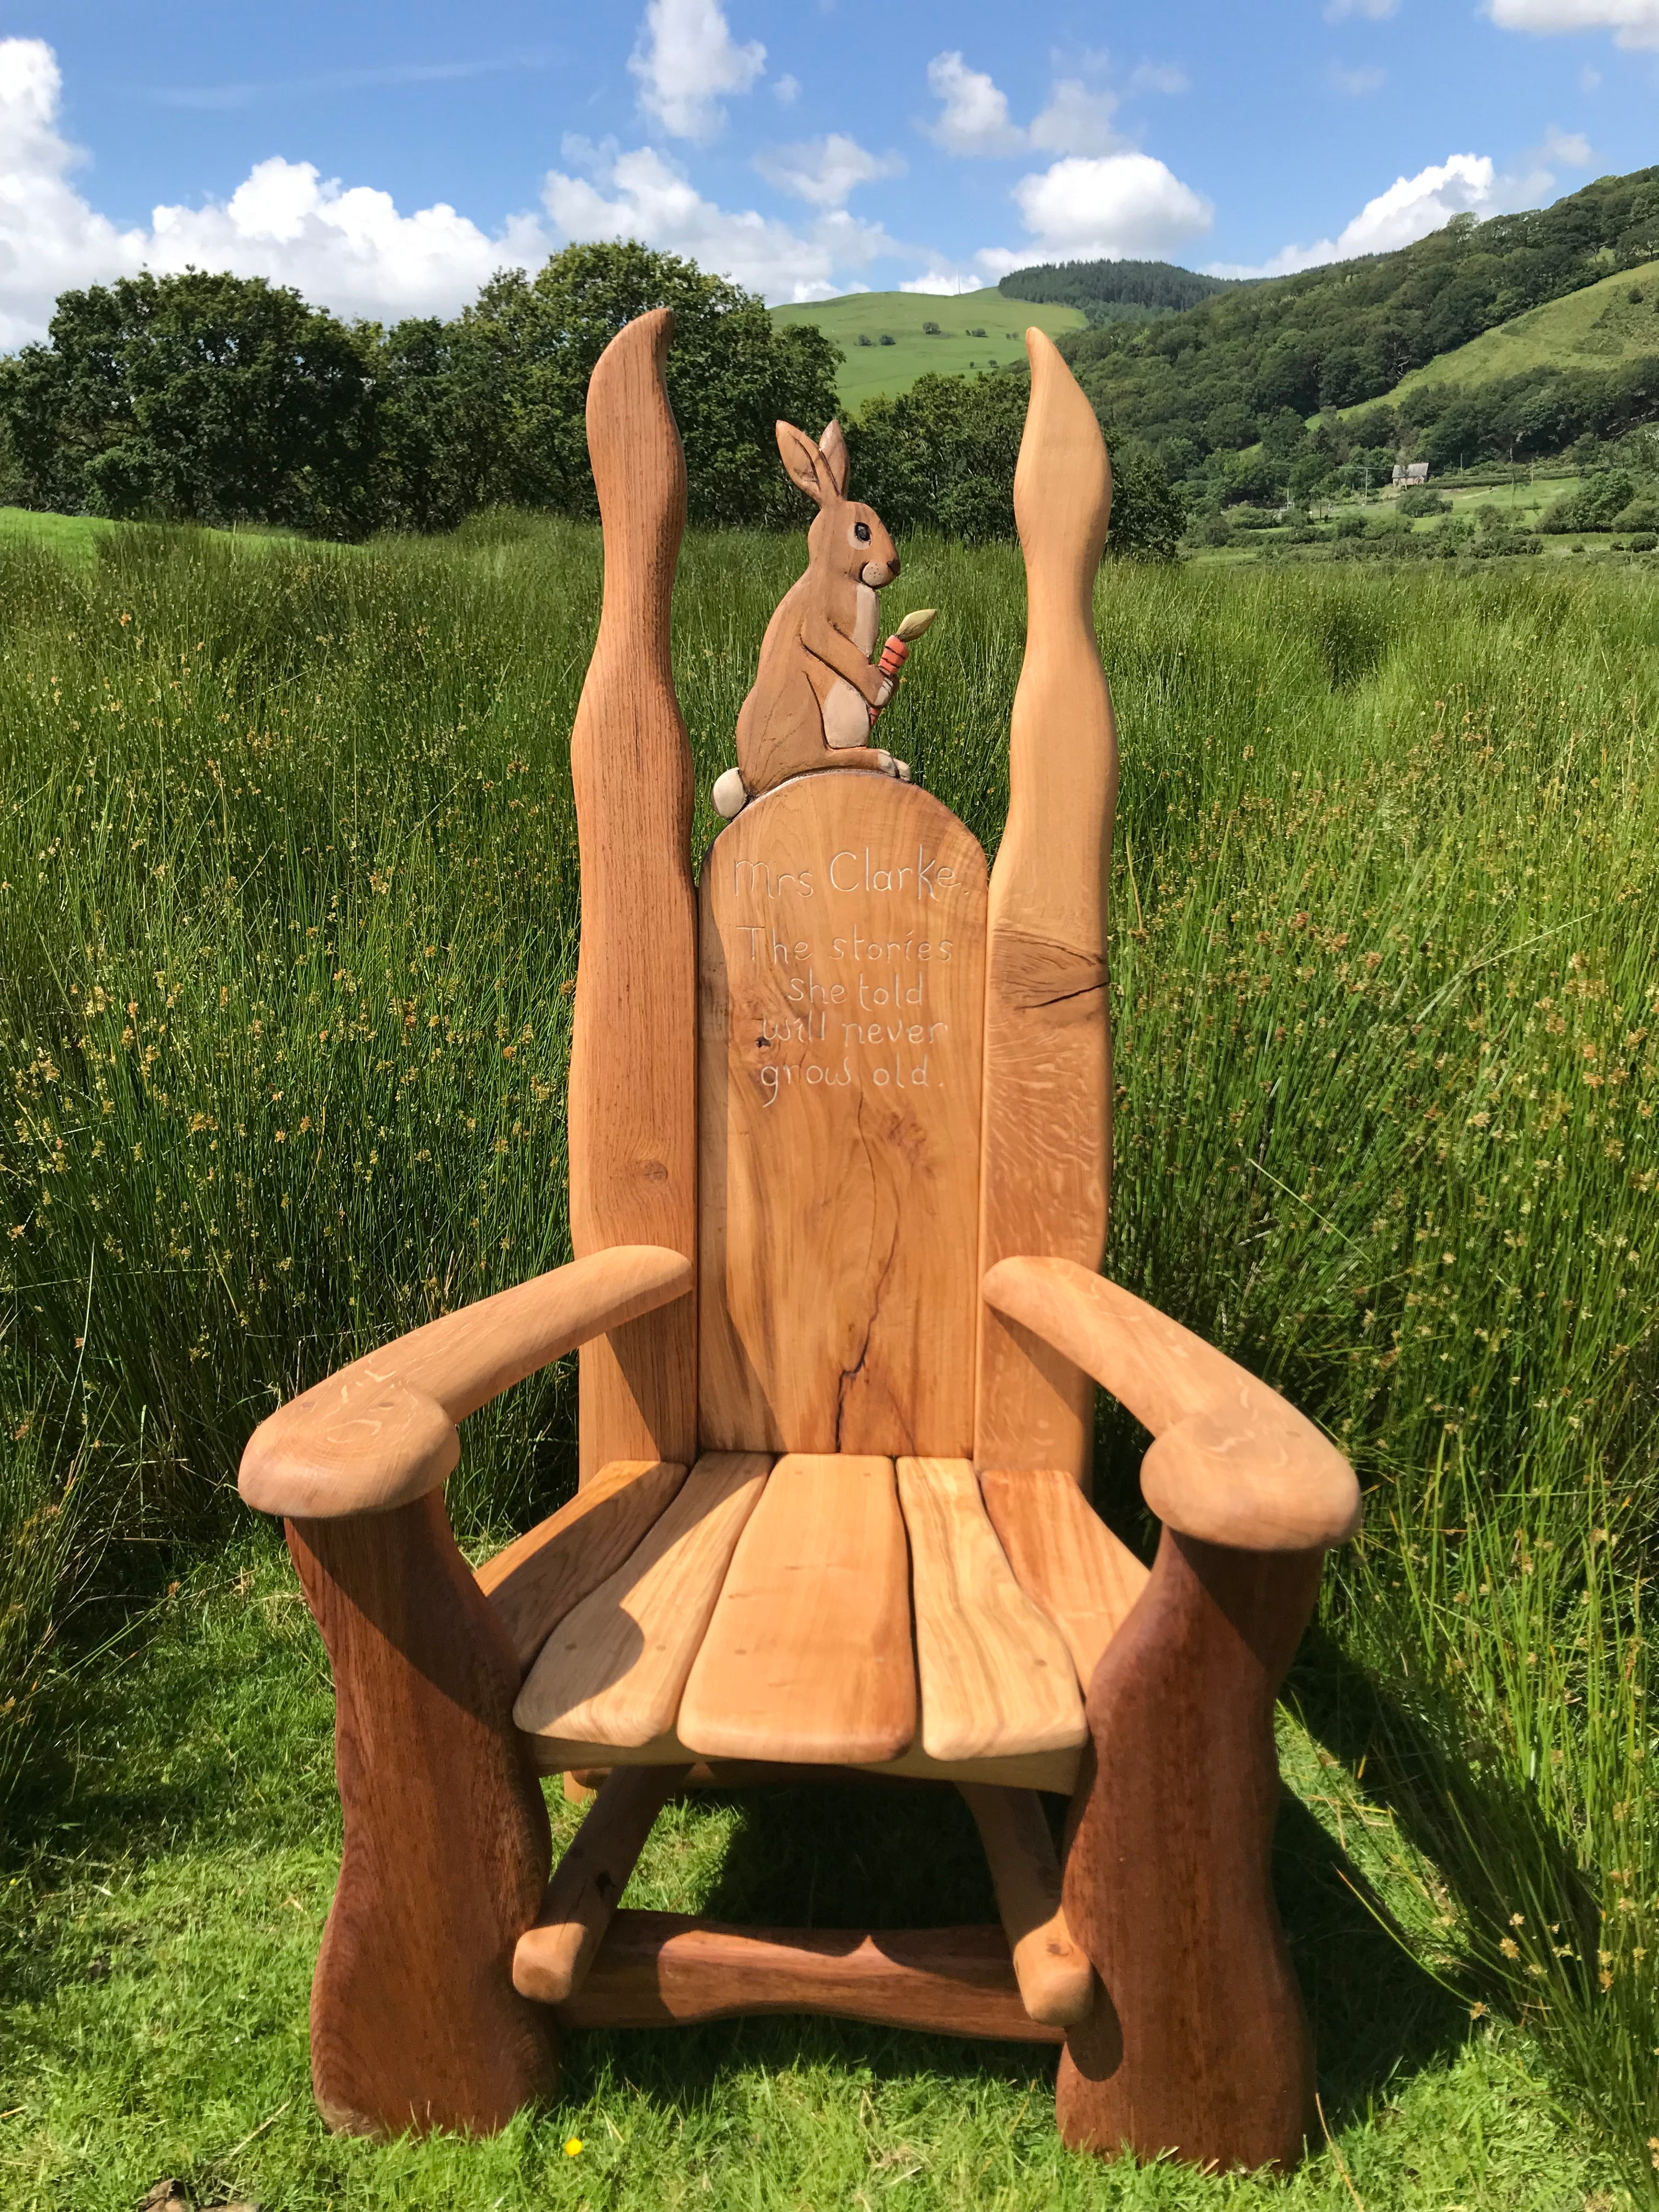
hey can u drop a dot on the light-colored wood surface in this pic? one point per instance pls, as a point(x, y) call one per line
point(657, 1969)
point(1064, 1557)
point(381, 1432)
point(817, 683)
point(996, 1678)
point(1230, 1462)
point(612, 1671)
point(1056, 1982)
point(1055, 1771)
point(633, 1060)
point(533, 1583)
point(1047, 1150)
point(551, 1959)
point(807, 1656)
point(842, 998)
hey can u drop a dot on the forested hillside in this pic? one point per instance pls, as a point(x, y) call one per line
point(1224, 374)
point(1113, 291)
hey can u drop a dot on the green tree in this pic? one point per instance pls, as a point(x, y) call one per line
point(196, 398)
point(1148, 514)
point(521, 356)
point(941, 456)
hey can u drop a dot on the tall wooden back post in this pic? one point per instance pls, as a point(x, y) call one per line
point(633, 1100)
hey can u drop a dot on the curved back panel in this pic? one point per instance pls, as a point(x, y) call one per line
point(842, 964)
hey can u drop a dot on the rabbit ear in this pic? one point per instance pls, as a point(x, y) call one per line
point(804, 464)
point(833, 447)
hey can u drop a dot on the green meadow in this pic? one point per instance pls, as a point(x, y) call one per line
point(288, 931)
point(975, 330)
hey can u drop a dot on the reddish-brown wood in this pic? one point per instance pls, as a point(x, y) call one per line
point(660, 1969)
point(415, 2022)
point(551, 1960)
point(1198, 2043)
point(633, 1100)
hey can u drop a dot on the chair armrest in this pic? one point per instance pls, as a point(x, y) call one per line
point(381, 1432)
point(1230, 1462)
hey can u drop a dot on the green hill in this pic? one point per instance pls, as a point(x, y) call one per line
point(1220, 375)
point(1615, 320)
point(976, 331)
point(1114, 291)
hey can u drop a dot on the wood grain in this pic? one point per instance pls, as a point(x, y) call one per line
point(996, 1677)
point(612, 1671)
point(817, 686)
point(633, 1099)
point(1064, 1557)
point(1047, 1147)
point(1230, 1462)
point(840, 1129)
point(662, 1969)
point(1198, 2043)
point(536, 1581)
point(807, 1656)
point(1056, 1982)
point(381, 1431)
point(551, 1959)
point(415, 2022)
point(1055, 1771)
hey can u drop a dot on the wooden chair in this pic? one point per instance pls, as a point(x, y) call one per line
point(839, 1133)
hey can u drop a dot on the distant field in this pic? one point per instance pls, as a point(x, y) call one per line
point(1607, 323)
point(876, 371)
point(75, 536)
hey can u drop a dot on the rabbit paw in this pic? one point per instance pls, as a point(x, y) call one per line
point(884, 692)
point(729, 794)
point(901, 770)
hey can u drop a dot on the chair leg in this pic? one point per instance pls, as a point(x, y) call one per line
point(1198, 2042)
point(415, 2022)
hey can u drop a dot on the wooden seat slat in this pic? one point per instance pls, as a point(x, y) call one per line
point(807, 1656)
point(1066, 1560)
point(536, 1581)
point(612, 1671)
point(996, 1677)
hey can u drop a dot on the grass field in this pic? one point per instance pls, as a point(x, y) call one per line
point(288, 905)
point(878, 371)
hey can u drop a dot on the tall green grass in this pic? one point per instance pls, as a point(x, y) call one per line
point(288, 924)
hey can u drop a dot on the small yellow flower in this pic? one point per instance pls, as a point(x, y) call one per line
point(572, 2148)
point(1509, 1948)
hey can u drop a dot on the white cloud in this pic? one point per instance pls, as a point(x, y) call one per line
point(350, 249)
point(976, 114)
point(1355, 83)
point(1412, 207)
point(686, 62)
point(1589, 80)
point(940, 283)
point(1076, 120)
point(1157, 77)
point(642, 196)
point(825, 170)
point(1570, 148)
point(1633, 22)
point(1114, 205)
point(1375, 11)
point(786, 90)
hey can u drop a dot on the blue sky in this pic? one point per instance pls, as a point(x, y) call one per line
point(386, 160)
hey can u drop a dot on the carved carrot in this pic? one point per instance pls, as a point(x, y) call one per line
point(896, 651)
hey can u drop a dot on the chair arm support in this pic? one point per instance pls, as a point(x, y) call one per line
point(382, 1432)
point(1230, 1462)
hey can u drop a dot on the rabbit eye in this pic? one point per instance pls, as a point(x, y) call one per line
point(861, 531)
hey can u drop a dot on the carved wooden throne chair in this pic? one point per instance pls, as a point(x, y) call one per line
point(839, 1138)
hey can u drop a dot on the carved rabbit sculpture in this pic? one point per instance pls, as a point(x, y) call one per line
point(817, 687)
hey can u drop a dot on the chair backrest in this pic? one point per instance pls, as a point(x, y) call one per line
point(898, 1072)
point(842, 954)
